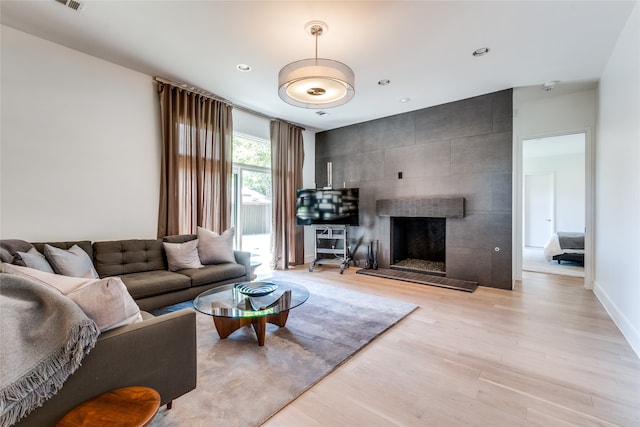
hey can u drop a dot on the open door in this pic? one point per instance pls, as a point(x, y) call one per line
point(539, 196)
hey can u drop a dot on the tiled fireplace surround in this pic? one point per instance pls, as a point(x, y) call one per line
point(458, 150)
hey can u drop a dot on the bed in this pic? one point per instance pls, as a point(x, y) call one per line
point(565, 246)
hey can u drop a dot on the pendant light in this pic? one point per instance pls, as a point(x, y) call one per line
point(316, 82)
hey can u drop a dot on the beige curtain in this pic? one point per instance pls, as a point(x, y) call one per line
point(287, 158)
point(195, 188)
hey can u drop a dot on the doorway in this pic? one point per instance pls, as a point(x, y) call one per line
point(554, 199)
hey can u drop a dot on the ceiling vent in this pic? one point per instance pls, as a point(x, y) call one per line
point(72, 4)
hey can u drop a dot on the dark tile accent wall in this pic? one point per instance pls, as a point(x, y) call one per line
point(461, 149)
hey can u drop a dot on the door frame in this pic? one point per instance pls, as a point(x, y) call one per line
point(553, 201)
point(518, 196)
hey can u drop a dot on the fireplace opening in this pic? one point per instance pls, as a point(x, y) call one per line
point(418, 244)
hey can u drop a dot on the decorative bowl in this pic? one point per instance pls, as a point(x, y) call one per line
point(256, 289)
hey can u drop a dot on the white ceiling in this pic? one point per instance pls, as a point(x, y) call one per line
point(423, 47)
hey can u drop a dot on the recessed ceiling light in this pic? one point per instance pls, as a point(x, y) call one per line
point(243, 67)
point(405, 100)
point(481, 52)
point(384, 82)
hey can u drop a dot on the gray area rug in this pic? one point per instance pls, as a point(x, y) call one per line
point(243, 384)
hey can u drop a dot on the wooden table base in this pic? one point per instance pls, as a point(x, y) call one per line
point(226, 325)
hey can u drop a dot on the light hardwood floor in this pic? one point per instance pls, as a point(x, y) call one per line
point(544, 354)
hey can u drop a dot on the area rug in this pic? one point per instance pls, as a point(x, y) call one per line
point(242, 384)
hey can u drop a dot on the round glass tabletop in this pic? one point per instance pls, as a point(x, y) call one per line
point(251, 299)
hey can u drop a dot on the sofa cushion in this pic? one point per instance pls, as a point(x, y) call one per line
point(32, 259)
point(214, 248)
point(214, 273)
point(182, 255)
point(156, 282)
point(105, 301)
point(74, 262)
point(119, 257)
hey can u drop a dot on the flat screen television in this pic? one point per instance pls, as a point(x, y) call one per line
point(333, 206)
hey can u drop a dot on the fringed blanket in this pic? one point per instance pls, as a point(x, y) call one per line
point(43, 338)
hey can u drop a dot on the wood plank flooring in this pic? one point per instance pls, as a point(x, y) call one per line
point(544, 354)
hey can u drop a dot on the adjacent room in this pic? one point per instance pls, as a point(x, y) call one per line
point(554, 204)
point(319, 213)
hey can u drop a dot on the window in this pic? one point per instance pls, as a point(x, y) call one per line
point(252, 194)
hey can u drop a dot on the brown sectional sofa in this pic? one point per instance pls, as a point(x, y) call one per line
point(159, 352)
point(142, 265)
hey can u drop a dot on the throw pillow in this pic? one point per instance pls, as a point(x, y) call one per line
point(106, 301)
point(73, 262)
point(32, 259)
point(182, 255)
point(214, 248)
point(9, 247)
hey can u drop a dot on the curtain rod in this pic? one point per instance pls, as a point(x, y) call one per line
point(215, 97)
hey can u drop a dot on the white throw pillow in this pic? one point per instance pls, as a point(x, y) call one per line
point(32, 259)
point(182, 255)
point(214, 248)
point(106, 301)
point(73, 262)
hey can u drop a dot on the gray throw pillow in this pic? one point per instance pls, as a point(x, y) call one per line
point(75, 262)
point(32, 259)
point(106, 301)
point(182, 255)
point(9, 247)
point(214, 248)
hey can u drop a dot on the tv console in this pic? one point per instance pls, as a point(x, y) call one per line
point(331, 246)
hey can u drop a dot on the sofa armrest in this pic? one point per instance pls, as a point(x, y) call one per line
point(159, 352)
point(244, 258)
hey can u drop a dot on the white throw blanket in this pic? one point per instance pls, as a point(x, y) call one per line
point(44, 336)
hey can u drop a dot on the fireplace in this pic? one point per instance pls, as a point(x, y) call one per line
point(418, 244)
point(421, 247)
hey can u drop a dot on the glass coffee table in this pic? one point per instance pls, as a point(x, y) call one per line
point(250, 303)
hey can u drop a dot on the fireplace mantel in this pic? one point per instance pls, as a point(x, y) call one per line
point(436, 207)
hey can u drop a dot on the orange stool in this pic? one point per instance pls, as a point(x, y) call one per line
point(127, 407)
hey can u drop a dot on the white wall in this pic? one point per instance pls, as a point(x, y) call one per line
point(569, 182)
point(251, 124)
point(80, 145)
point(617, 275)
point(541, 114)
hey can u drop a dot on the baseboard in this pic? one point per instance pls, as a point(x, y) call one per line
point(629, 331)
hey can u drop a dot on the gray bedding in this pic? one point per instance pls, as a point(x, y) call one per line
point(569, 240)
